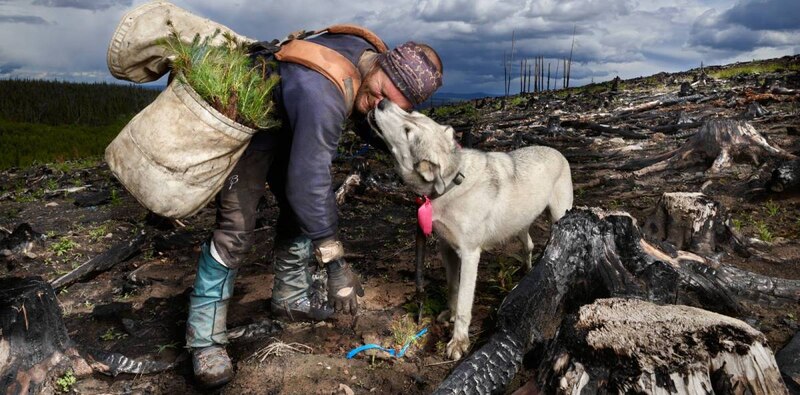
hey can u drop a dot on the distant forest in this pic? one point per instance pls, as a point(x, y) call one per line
point(46, 121)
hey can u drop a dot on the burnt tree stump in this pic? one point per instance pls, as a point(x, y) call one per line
point(690, 221)
point(631, 346)
point(721, 141)
point(594, 254)
point(34, 340)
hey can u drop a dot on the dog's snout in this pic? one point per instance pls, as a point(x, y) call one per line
point(383, 104)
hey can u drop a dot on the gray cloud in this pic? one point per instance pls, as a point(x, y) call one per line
point(83, 4)
point(765, 14)
point(629, 38)
point(28, 19)
point(7, 68)
point(747, 26)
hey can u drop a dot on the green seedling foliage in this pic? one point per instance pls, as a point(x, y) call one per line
point(63, 246)
point(66, 381)
point(225, 77)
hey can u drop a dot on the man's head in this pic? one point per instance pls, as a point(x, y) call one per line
point(407, 75)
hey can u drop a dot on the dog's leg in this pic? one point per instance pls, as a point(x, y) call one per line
point(459, 344)
point(451, 262)
point(527, 245)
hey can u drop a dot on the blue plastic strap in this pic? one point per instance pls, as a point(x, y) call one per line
point(390, 351)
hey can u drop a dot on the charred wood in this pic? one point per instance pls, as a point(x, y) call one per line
point(593, 254)
point(602, 128)
point(689, 221)
point(34, 340)
point(611, 346)
point(658, 103)
point(786, 177)
point(102, 262)
point(720, 140)
point(789, 361)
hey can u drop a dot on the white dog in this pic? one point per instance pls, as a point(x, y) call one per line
point(479, 199)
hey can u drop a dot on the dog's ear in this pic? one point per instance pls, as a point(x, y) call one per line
point(431, 172)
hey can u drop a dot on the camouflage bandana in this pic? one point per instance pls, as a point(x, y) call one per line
point(411, 72)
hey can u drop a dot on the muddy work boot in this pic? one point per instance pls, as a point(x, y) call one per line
point(212, 366)
point(292, 296)
point(206, 332)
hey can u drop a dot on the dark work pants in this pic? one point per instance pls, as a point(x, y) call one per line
point(238, 200)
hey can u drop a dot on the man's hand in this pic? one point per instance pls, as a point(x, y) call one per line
point(343, 286)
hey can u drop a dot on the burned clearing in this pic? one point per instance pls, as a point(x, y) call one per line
point(729, 133)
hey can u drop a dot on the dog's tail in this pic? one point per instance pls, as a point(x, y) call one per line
point(488, 370)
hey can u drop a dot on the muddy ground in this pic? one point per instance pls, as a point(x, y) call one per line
point(139, 307)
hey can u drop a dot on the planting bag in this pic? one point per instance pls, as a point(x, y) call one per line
point(134, 53)
point(174, 156)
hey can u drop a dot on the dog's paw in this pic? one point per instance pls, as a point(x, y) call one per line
point(445, 317)
point(457, 348)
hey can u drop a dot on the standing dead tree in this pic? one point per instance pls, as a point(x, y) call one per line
point(720, 140)
point(593, 254)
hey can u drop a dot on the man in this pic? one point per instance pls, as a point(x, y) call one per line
point(296, 162)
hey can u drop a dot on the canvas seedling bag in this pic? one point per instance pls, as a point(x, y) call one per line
point(134, 53)
point(175, 154)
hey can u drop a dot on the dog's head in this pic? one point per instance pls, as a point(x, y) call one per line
point(423, 150)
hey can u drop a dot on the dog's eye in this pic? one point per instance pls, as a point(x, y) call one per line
point(408, 129)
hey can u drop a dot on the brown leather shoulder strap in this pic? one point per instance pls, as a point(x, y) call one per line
point(359, 31)
point(327, 62)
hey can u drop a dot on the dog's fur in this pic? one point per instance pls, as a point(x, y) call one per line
point(498, 197)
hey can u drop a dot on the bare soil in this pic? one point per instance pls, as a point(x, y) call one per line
point(377, 226)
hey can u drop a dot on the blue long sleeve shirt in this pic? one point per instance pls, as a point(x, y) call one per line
point(313, 111)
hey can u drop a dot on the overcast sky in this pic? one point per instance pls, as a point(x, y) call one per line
point(67, 39)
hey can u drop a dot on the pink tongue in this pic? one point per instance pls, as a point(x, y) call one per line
point(425, 217)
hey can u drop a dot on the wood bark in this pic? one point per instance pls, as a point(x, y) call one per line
point(722, 141)
point(631, 346)
point(594, 254)
point(689, 221)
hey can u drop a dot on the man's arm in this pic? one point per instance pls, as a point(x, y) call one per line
point(315, 112)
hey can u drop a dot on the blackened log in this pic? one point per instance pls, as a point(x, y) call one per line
point(788, 359)
point(593, 254)
point(657, 104)
point(786, 177)
point(102, 262)
point(34, 340)
point(672, 129)
point(601, 128)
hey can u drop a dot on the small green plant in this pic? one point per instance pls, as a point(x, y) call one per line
point(97, 233)
point(112, 334)
point(403, 331)
point(435, 303)
point(772, 208)
point(51, 185)
point(737, 224)
point(115, 198)
point(66, 381)
point(63, 246)
point(763, 231)
point(504, 281)
point(161, 347)
point(225, 77)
